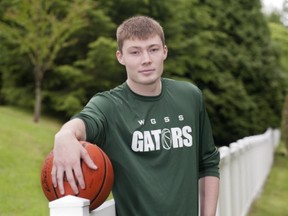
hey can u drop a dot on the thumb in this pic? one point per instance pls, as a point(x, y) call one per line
point(87, 159)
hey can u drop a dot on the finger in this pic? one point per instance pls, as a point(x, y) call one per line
point(53, 176)
point(59, 177)
point(87, 159)
point(71, 180)
point(79, 176)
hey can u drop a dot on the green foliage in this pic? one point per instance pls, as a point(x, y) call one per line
point(280, 41)
point(279, 34)
point(101, 65)
point(227, 99)
point(65, 94)
point(17, 81)
point(285, 125)
point(37, 31)
point(224, 47)
point(239, 45)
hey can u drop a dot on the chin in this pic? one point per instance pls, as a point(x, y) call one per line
point(150, 80)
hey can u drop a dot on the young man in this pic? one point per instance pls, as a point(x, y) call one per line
point(155, 131)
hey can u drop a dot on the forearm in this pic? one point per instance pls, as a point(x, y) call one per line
point(209, 189)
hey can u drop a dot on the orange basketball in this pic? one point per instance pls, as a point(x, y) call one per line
point(98, 182)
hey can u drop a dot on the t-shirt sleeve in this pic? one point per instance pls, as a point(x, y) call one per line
point(209, 156)
point(95, 120)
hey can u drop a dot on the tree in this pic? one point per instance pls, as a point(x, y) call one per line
point(84, 68)
point(280, 42)
point(279, 37)
point(40, 33)
point(285, 125)
point(242, 48)
point(70, 86)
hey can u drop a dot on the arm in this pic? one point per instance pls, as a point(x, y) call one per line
point(208, 167)
point(67, 154)
point(209, 189)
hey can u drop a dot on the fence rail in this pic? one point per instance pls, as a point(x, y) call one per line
point(244, 168)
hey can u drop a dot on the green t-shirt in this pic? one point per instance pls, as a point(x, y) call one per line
point(159, 147)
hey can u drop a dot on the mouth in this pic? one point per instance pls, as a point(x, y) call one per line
point(145, 71)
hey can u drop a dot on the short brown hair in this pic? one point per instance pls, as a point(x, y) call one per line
point(138, 27)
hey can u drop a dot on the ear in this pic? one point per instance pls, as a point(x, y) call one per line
point(165, 52)
point(119, 56)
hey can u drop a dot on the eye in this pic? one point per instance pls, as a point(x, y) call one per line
point(134, 52)
point(154, 49)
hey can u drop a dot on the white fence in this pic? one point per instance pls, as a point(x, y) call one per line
point(244, 167)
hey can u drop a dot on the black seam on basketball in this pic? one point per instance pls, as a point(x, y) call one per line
point(105, 176)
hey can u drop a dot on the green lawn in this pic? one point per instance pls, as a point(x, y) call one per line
point(274, 198)
point(23, 147)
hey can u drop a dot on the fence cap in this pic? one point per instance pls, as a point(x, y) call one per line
point(224, 151)
point(69, 201)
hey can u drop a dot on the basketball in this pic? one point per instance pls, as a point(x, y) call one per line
point(98, 182)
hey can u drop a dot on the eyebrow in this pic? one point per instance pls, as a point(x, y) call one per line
point(139, 47)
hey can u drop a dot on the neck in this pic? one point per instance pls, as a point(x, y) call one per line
point(151, 89)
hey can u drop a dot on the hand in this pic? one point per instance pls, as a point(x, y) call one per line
point(68, 153)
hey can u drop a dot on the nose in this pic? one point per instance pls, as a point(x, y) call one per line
point(146, 59)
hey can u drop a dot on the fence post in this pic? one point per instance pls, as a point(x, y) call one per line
point(106, 209)
point(235, 179)
point(224, 202)
point(249, 173)
point(69, 206)
point(276, 137)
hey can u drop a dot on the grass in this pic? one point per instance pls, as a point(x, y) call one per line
point(23, 148)
point(273, 200)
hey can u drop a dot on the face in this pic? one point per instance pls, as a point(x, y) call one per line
point(143, 60)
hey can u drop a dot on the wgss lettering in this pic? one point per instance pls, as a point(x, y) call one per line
point(153, 140)
point(166, 120)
